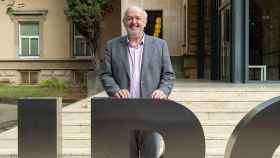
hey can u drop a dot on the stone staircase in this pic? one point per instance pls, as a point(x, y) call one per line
point(219, 107)
point(75, 132)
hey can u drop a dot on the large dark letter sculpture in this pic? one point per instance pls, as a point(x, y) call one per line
point(39, 128)
point(258, 133)
point(114, 119)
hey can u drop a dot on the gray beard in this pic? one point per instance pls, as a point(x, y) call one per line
point(134, 33)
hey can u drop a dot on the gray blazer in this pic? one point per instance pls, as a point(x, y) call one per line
point(156, 71)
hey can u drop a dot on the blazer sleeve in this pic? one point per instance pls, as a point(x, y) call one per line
point(106, 76)
point(167, 73)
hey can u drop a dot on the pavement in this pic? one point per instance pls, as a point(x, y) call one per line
point(8, 116)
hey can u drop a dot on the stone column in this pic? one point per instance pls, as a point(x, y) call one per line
point(238, 40)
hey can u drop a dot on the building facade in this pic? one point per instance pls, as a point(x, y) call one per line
point(224, 40)
point(231, 41)
point(39, 42)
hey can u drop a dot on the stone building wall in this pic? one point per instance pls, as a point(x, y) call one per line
point(9, 76)
point(65, 75)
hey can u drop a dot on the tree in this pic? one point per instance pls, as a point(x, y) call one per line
point(12, 4)
point(87, 16)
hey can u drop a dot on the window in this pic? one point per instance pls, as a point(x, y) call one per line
point(264, 39)
point(154, 25)
point(81, 47)
point(29, 32)
point(29, 39)
point(29, 77)
point(80, 77)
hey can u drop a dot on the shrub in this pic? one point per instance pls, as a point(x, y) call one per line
point(53, 83)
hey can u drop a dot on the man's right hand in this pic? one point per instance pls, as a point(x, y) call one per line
point(123, 93)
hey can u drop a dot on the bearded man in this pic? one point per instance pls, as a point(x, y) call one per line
point(138, 66)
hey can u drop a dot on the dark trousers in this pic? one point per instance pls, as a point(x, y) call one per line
point(146, 144)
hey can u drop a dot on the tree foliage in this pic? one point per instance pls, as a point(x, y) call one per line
point(12, 4)
point(87, 16)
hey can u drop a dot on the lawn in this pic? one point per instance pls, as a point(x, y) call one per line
point(12, 92)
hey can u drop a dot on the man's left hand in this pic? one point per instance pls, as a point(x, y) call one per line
point(158, 94)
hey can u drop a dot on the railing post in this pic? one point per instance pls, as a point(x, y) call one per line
point(39, 128)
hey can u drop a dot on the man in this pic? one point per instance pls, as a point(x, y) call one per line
point(138, 66)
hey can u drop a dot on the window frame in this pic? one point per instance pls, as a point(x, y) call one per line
point(75, 38)
point(28, 16)
point(20, 37)
point(84, 73)
point(29, 77)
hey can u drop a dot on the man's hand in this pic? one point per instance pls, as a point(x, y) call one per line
point(123, 93)
point(158, 94)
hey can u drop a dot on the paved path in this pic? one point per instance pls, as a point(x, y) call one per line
point(8, 116)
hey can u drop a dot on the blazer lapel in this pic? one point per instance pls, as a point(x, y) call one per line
point(123, 55)
point(147, 54)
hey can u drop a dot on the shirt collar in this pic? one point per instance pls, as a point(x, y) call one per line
point(141, 43)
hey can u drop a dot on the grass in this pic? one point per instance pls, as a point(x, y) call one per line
point(14, 92)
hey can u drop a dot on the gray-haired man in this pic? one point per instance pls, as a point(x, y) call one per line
point(138, 66)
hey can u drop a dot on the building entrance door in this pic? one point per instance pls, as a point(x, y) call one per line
point(225, 42)
point(264, 39)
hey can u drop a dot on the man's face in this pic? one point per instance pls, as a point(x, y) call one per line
point(134, 22)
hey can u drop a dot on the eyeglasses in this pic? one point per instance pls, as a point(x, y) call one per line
point(137, 18)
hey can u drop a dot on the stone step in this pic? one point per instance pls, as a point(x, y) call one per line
point(222, 156)
point(208, 127)
point(216, 142)
point(67, 153)
point(83, 140)
point(183, 85)
point(222, 88)
point(76, 116)
point(209, 130)
point(76, 126)
point(223, 96)
point(221, 117)
point(12, 144)
point(220, 143)
point(80, 122)
point(76, 143)
point(76, 129)
point(218, 131)
point(76, 110)
point(77, 152)
point(219, 152)
point(198, 106)
point(85, 153)
point(9, 139)
point(212, 144)
point(219, 106)
point(202, 116)
point(14, 135)
point(66, 143)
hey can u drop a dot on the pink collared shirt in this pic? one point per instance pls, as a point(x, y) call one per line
point(135, 62)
